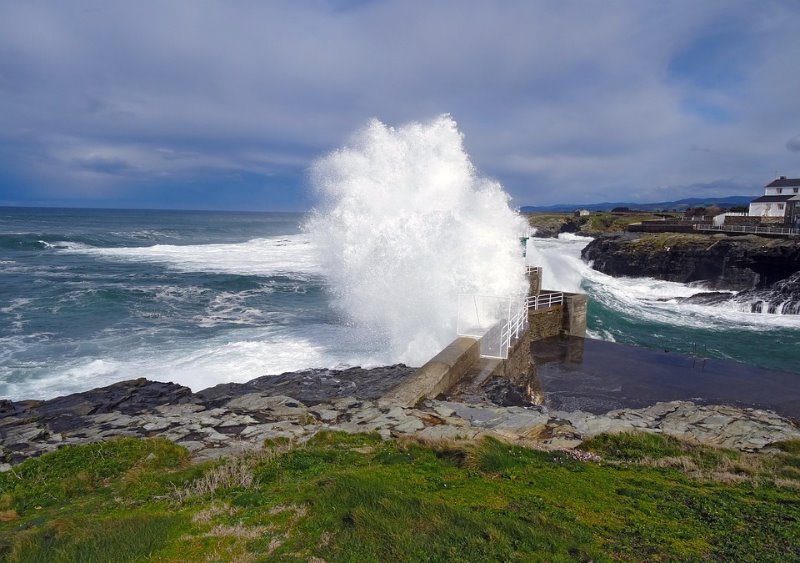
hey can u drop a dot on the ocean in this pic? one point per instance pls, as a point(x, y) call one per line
point(647, 312)
point(89, 297)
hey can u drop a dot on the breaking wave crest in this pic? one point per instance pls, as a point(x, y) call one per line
point(404, 225)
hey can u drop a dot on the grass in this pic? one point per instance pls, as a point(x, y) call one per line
point(614, 223)
point(347, 497)
point(593, 224)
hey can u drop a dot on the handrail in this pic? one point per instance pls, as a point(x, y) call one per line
point(545, 300)
point(749, 229)
point(497, 341)
point(509, 332)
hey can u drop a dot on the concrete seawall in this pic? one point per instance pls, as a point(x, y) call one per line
point(439, 374)
point(447, 369)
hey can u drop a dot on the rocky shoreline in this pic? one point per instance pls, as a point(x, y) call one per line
point(760, 273)
point(230, 419)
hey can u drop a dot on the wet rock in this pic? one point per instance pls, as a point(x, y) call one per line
point(718, 261)
point(505, 393)
point(246, 421)
point(708, 297)
point(314, 386)
point(782, 298)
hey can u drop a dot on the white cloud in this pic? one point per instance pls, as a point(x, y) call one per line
point(552, 97)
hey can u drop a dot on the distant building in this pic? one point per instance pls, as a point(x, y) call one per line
point(582, 212)
point(780, 202)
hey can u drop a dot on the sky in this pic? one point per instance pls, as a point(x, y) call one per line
point(202, 104)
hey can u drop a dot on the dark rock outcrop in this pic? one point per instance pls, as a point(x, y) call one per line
point(213, 416)
point(715, 261)
point(314, 386)
point(140, 396)
point(782, 298)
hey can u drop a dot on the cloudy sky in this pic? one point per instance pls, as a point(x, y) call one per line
point(224, 105)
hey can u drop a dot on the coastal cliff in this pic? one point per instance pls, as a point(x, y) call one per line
point(716, 261)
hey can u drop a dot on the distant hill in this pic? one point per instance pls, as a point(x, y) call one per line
point(679, 205)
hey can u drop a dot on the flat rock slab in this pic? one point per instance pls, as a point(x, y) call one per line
point(245, 422)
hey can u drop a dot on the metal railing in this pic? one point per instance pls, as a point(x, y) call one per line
point(507, 334)
point(533, 270)
point(499, 321)
point(544, 300)
point(749, 229)
point(510, 331)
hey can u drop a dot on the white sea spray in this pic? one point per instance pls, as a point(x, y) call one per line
point(404, 225)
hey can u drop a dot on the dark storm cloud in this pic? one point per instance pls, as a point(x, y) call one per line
point(560, 101)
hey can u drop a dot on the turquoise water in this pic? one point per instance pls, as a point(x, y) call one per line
point(647, 312)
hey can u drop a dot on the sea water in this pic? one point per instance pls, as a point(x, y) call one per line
point(89, 297)
point(404, 224)
point(649, 312)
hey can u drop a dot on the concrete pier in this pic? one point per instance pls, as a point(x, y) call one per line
point(461, 361)
point(439, 374)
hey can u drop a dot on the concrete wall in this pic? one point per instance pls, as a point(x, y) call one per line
point(747, 220)
point(574, 320)
point(543, 323)
point(449, 366)
point(768, 209)
point(437, 376)
point(518, 362)
point(519, 369)
point(534, 283)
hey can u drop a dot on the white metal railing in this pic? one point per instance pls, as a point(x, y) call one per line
point(749, 229)
point(496, 321)
point(533, 270)
point(509, 333)
point(545, 300)
point(499, 321)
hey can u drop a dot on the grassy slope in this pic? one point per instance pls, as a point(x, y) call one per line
point(355, 498)
point(591, 225)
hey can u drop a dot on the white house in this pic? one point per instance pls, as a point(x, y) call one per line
point(781, 199)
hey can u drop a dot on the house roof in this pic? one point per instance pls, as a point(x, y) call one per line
point(784, 182)
point(772, 198)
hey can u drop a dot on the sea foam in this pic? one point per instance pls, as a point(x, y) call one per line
point(404, 225)
point(263, 256)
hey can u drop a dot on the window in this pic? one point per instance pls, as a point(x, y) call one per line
point(796, 190)
point(779, 191)
point(780, 207)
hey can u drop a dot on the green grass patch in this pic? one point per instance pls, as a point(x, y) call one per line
point(111, 539)
point(633, 446)
point(347, 497)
